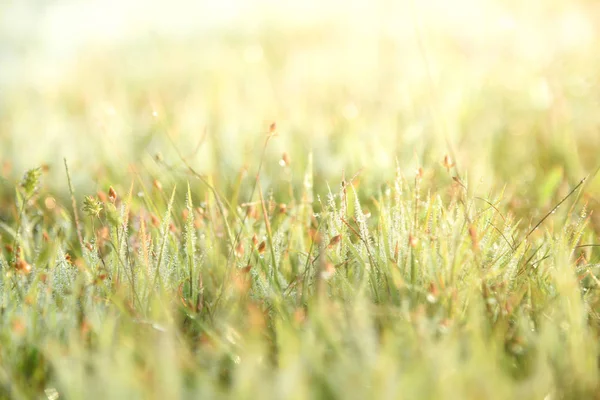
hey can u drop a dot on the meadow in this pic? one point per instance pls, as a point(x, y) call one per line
point(339, 200)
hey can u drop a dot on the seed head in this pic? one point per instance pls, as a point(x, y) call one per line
point(262, 247)
point(334, 240)
point(31, 180)
point(273, 128)
point(447, 163)
point(92, 206)
point(112, 195)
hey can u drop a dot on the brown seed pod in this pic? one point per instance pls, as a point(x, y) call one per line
point(334, 240)
point(262, 247)
point(112, 195)
point(273, 128)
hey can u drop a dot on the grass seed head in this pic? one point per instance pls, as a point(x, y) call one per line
point(447, 163)
point(31, 180)
point(112, 195)
point(334, 240)
point(262, 247)
point(92, 206)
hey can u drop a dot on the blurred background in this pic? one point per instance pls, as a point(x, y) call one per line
point(509, 89)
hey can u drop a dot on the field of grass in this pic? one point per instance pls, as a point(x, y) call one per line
point(388, 200)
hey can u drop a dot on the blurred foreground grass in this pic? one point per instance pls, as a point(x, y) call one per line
point(390, 247)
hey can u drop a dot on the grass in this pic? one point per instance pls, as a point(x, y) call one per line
point(402, 235)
